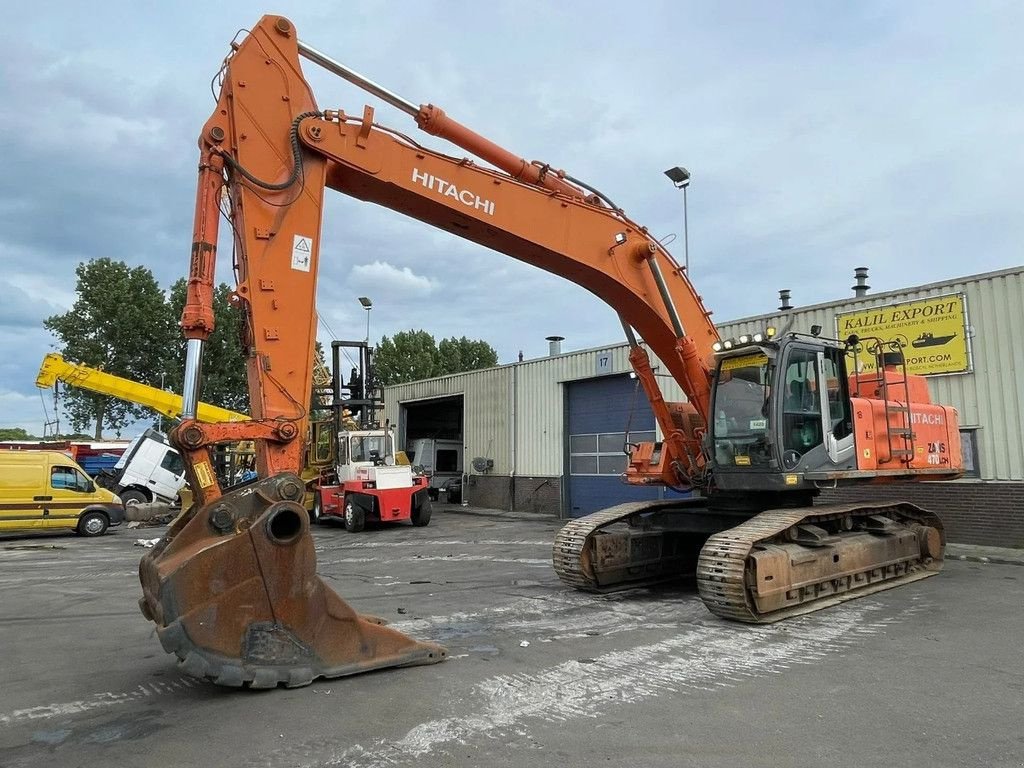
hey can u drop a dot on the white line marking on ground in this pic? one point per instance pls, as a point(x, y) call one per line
point(697, 659)
point(440, 559)
point(439, 543)
point(96, 701)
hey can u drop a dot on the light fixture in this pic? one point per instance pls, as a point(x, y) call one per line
point(770, 331)
point(815, 330)
point(727, 344)
point(679, 176)
point(744, 339)
point(367, 304)
point(758, 338)
point(717, 346)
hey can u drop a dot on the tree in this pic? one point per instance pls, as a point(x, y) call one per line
point(119, 323)
point(412, 355)
point(224, 380)
point(408, 356)
point(15, 433)
point(457, 355)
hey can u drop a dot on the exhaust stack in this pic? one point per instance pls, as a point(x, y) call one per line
point(862, 287)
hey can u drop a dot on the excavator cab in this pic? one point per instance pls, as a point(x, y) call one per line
point(781, 410)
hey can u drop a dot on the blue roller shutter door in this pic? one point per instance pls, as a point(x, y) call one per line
point(598, 412)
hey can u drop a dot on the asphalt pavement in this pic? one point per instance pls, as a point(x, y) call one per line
point(929, 674)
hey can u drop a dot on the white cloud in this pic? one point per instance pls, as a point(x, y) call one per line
point(391, 280)
point(30, 412)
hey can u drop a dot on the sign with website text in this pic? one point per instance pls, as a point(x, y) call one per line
point(931, 333)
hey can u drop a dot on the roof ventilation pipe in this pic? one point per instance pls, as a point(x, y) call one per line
point(554, 345)
point(862, 287)
point(784, 305)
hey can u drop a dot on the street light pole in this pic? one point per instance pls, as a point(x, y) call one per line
point(686, 236)
point(681, 178)
point(367, 305)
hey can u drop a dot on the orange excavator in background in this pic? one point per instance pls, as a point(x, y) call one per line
point(771, 418)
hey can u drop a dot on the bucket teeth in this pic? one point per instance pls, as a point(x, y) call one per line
point(244, 607)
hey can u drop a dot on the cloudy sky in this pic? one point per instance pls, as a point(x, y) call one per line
point(820, 136)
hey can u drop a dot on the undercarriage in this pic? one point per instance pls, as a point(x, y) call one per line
point(755, 568)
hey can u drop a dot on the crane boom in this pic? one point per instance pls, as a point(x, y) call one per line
point(55, 368)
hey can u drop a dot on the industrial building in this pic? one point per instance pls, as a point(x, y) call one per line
point(547, 435)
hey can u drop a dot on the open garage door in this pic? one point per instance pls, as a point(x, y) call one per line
point(431, 434)
point(598, 413)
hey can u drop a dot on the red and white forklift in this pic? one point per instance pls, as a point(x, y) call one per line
point(363, 478)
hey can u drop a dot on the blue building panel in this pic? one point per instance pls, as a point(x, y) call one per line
point(598, 410)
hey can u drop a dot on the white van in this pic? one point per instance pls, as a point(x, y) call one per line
point(149, 470)
point(441, 461)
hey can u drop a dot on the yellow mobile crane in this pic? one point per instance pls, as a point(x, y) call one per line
point(319, 455)
point(152, 445)
point(55, 368)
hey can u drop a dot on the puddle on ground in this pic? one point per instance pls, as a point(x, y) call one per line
point(51, 738)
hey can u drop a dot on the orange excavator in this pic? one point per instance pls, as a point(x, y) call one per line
point(770, 418)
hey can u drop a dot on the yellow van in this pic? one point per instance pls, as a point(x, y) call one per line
point(47, 490)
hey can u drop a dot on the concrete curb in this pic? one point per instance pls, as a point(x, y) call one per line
point(990, 559)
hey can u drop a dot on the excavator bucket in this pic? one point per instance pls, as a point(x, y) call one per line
point(234, 594)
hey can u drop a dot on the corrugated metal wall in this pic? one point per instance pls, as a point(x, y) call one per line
point(486, 412)
point(991, 398)
point(540, 405)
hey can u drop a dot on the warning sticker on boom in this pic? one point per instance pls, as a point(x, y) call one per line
point(204, 474)
point(302, 253)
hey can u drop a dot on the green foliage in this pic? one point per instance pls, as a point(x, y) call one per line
point(457, 355)
point(20, 435)
point(320, 399)
point(409, 356)
point(120, 323)
point(224, 379)
point(412, 355)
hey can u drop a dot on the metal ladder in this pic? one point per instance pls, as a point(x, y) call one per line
point(894, 410)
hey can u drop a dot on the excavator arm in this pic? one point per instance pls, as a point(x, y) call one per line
point(232, 587)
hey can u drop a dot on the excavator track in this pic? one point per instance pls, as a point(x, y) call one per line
point(588, 555)
point(787, 562)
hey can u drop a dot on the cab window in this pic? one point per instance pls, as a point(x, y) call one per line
point(448, 460)
point(69, 479)
point(742, 396)
point(173, 463)
point(840, 418)
point(801, 403)
point(368, 448)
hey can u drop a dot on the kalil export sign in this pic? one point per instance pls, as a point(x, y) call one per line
point(931, 333)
